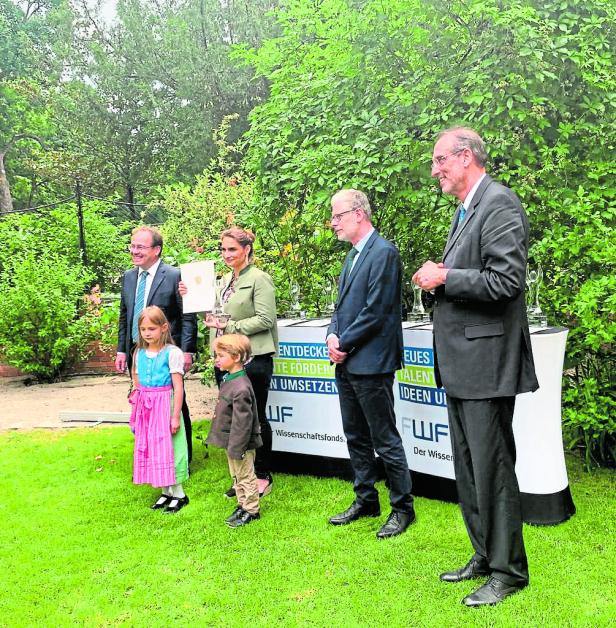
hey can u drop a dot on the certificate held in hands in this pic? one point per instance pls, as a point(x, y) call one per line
point(200, 280)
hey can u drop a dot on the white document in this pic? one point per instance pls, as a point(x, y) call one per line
point(200, 280)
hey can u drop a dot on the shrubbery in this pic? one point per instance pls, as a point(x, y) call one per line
point(45, 322)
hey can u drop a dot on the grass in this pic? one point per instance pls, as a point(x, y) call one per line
point(80, 546)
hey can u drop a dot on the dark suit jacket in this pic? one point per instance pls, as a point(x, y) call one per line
point(367, 318)
point(163, 293)
point(482, 344)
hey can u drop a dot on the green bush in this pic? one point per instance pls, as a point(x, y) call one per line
point(358, 92)
point(45, 323)
point(56, 232)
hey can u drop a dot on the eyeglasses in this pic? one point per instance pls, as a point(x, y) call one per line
point(137, 248)
point(338, 217)
point(441, 159)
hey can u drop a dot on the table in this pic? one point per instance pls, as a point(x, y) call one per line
point(307, 430)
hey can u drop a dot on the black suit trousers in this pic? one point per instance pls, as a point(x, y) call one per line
point(369, 423)
point(484, 462)
point(185, 411)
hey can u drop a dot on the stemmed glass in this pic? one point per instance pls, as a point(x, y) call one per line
point(219, 312)
point(418, 313)
point(534, 279)
point(332, 295)
point(531, 282)
point(296, 308)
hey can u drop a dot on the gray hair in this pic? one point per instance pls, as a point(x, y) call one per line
point(467, 138)
point(355, 200)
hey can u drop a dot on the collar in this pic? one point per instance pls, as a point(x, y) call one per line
point(229, 376)
point(151, 270)
point(469, 197)
point(362, 243)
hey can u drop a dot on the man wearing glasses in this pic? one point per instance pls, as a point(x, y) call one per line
point(364, 341)
point(152, 282)
point(483, 358)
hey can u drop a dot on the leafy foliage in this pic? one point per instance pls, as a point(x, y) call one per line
point(55, 233)
point(44, 323)
point(358, 92)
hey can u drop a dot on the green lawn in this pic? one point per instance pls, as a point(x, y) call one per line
point(79, 545)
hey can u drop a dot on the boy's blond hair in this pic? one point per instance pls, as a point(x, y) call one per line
point(236, 345)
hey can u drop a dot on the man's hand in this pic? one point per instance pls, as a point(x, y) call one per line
point(182, 289)
point(430, 275)
point(188, 362)
point(120, 362)
point(333, 348)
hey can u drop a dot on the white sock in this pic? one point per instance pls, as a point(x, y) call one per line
point(177, 491)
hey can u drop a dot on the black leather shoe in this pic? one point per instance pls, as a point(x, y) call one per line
point(176, 504)
point(492, 592)
point(354, 512)
point(396, 523)
point(473, 569)
point(161, 502)
point(230, 493)
point(235, 514)
point(243, 519)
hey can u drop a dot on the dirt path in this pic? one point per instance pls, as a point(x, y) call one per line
point(39, 405)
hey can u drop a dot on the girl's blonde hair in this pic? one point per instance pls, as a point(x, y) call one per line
point(244, 237)
point(156, 316)
point(236, 345)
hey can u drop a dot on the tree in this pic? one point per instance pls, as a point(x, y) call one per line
point(359, 88)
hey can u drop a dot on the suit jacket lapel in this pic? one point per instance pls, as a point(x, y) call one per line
point(131, 287)
point(158, 279)
point(348, 280)
point(455, 232)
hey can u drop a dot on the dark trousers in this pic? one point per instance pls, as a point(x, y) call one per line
point(259, 371)
point(369, 423)
point(484, 462)
point(185, 410)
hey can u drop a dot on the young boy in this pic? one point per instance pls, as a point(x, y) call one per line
point(236, 425)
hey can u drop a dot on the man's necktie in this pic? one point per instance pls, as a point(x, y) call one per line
point(352, 255)
point(461, 215)
point(139, 303)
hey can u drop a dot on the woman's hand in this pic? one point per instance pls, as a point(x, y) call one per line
point(182, 289)
point(175, 424)
point(211, 321)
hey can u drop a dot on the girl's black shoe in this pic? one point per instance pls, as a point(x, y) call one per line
point(176, 504)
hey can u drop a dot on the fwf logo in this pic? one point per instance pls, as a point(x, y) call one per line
point(425, 430)
point(279, 414)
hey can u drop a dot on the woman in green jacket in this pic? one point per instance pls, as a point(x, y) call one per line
point(248, 297)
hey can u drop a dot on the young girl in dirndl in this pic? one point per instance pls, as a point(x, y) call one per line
point(161, 454)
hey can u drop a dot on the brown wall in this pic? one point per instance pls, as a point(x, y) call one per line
point(98, 362)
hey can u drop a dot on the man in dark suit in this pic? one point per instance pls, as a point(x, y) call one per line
point(483, 357)
point(159, 287)
point(364, 340)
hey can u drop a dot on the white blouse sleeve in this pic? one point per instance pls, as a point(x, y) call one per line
point(176, 360)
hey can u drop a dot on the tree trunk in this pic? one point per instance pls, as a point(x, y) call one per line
point(130, 199)
point(6, 200)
